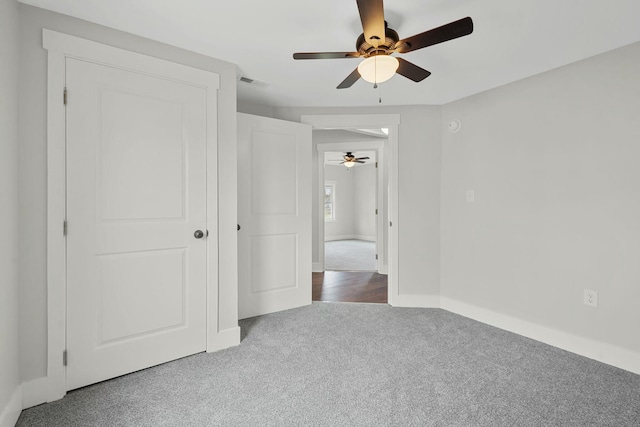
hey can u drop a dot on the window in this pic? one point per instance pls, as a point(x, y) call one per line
point(329, 201)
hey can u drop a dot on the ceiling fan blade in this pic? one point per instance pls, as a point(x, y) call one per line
point(350, 80)
point(450, 31)
point(325, 55)
point(362, 158)
point(372, 17)
point(359, 161)
point(412, 71)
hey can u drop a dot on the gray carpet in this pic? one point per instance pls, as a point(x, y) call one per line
point(337, 364)
point(350, 255)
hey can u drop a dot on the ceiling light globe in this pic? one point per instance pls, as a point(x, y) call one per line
point(349, 164)
point(378, 68)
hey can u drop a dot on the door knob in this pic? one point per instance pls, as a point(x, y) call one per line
point(198, 234)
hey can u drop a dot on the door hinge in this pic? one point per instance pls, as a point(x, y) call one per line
point(64, 96)
point(376, 211)
point(64, 358)
point(64, 228)
point(376, 256)
point(376, 164)
point(390, 224)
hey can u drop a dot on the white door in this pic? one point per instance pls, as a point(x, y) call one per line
point(136, 169)
point(274, 212)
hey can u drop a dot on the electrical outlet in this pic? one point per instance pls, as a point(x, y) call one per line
point(590, 298)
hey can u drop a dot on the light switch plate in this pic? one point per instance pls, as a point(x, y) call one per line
point(471, 196)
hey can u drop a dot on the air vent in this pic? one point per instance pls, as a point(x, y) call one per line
point(252, 82)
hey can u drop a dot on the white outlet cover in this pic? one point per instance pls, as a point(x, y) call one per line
point(590, 298)
point(454, 126)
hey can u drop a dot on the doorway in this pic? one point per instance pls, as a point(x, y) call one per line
point(350, 210)
point(132, 244)
point(348, 282)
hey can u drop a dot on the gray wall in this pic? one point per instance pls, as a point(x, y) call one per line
point(9, 378)
point(343, 225)
point(553, 160)
point(420, 135)
point(33, 167)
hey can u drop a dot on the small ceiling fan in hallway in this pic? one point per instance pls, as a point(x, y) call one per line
point(349, 160)
point(378, 42)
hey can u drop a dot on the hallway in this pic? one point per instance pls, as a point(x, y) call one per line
point(350, 286)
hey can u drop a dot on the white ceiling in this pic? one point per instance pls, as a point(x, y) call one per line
point(512, 39)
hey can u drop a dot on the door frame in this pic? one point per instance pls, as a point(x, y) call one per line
point(60, 46)
point(368, 121)
point(381, 237)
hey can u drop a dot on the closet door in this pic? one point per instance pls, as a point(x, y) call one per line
point(136, 212)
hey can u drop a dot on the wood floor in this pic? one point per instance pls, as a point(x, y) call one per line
point(350, 286)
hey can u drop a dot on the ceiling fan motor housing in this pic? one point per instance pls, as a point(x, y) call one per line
point(366, 49)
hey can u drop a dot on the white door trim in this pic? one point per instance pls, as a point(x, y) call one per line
point(365, 121)
point(61, 46)
point(378, 147)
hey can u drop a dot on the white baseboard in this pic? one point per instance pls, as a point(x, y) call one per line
point(350, 237)
point(34, 392)
point(602, 352)
point(341, 237)
point(225, 339)
point(416, 301)
point(10, 413)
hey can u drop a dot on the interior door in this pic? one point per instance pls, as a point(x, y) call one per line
point(136, 169)
point(274, 212)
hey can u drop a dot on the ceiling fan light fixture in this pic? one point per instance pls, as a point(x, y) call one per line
point(349, 164)
point(378, 68)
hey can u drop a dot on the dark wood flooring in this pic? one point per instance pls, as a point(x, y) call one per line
point(350, 286)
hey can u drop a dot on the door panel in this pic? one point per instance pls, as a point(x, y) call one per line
point(274, 210)
point(136, 192)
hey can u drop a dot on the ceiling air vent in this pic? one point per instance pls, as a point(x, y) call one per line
point(252, 82)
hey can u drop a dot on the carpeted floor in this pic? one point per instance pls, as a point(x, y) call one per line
point(349, 255)
point(338, 364)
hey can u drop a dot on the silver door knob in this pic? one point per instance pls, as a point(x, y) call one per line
point(198, 234)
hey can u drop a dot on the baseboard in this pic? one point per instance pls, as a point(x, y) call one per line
point(9, 415)
point(350, 237)
point(317, 267)
point(416, 301)
point(342, 237)
point(602, 352)
point(225, 339)
point(34, 392)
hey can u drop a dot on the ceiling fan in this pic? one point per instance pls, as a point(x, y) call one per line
point(378, 42)
point(350, 160)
